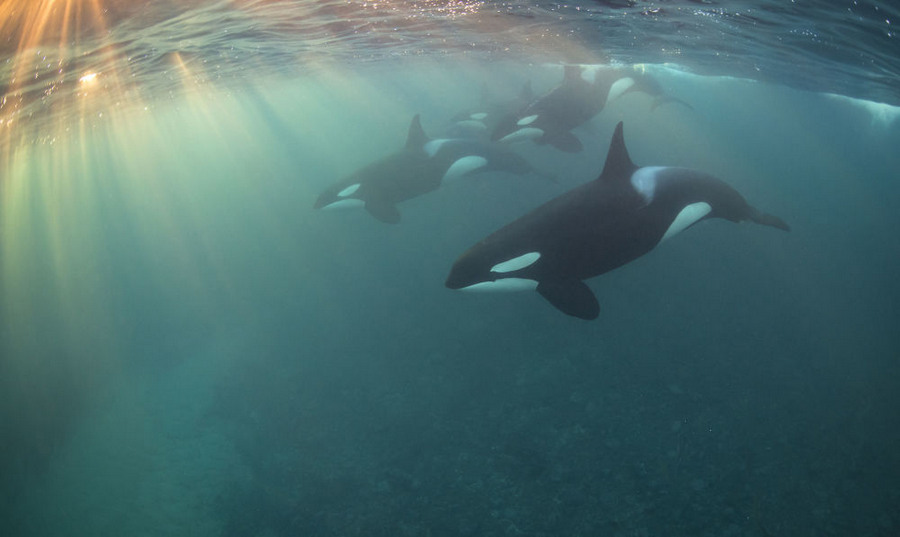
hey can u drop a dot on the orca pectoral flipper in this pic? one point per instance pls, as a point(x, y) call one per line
point(767, 219)
point(572, 297)
point(385, 211)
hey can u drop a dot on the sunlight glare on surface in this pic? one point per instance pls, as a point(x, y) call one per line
point(88, 79)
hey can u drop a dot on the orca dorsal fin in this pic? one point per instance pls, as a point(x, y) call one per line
point(618, 164)
point(416, 137)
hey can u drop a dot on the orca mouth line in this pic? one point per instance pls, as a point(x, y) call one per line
point(456, 282)
point(500, 285)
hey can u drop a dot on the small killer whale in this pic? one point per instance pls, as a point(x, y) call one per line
point(596, 227)
point(421, 166)
point(550, 118)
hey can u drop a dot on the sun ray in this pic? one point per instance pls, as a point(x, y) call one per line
point(99, 174)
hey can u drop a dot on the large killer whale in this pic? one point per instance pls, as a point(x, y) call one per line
point(601, 225)
point(421, 166)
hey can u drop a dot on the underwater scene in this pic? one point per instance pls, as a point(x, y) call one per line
point(449, 268)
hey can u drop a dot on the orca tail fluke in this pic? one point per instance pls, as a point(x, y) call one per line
point(767, 219)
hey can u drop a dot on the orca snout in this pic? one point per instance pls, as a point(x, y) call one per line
point(455, 280)
point(324, 199)
point(464, 273)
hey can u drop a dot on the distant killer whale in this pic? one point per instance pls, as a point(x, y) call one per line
point(480, 121)
point(551, 118)
point(421, 166)
point(601, 225)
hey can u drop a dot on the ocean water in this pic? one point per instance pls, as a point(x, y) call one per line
point(188, 348)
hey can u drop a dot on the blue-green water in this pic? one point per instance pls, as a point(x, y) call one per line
point(189, 349)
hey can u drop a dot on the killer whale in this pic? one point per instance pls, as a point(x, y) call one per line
point(596, 227)
point(421, 166)
point(550, 118)
point(480, 121)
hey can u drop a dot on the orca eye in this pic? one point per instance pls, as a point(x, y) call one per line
point(527, 120)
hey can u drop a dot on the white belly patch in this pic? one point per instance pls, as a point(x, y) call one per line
point(528, 133)
point(348, 203)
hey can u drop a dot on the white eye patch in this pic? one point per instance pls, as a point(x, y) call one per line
point(348, 191)
point(517, 263)
point(619, 87)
